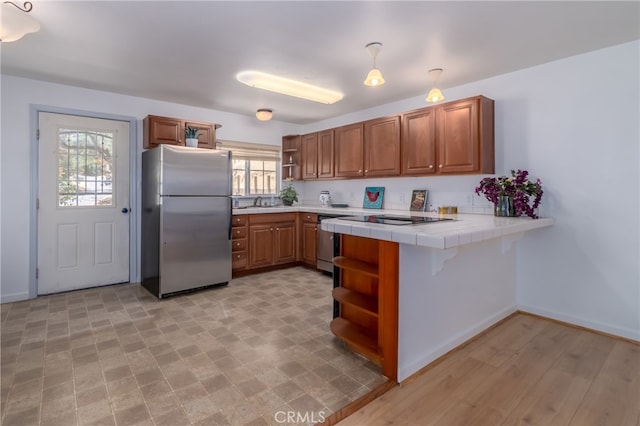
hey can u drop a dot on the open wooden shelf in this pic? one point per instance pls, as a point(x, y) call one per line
point(359, 338)
point(360, 301)
point(356, 265)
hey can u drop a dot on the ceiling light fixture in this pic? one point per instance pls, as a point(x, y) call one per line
point(288, 87)
point(264, 114)
point(15, 21)
point(435, 95)
point(374, 78)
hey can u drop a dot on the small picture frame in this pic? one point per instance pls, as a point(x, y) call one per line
point(419, 200)
point(373, 196)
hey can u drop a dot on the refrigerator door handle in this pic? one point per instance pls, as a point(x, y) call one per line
point(230, 216)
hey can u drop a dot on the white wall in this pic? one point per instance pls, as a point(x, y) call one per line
point(574, 124)
point(550, 119)
point(19, 94)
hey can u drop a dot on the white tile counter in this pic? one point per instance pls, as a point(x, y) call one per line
point(464, 229)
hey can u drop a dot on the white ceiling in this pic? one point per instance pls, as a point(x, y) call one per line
point(190, 52)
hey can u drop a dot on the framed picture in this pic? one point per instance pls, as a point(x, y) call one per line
point(373, 196)
point(419, 200)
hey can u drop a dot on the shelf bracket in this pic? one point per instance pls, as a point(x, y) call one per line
point(509, 240)
point(439, 257)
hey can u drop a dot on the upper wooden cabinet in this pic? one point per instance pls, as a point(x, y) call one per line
point(382, 147)
point(325, 154)
point(465, 136)
point(310, 156)
point(317, 155)
point(167, 130)
point(456, 137)
point(291, 157)
point(451, 138)
point(419, 142)
point(349, 152)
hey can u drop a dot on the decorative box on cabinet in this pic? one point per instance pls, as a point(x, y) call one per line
point(167, 130)
point(239, 242)
point(366, 290)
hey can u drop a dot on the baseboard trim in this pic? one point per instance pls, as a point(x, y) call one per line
point(14, 297)
point(354, 406)
point(613, 331)
point(581, 327)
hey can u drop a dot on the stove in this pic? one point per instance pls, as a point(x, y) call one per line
point(386, 219)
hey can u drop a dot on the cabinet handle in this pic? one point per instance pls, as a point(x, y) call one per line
point(431, 166)
point(238, 244)
point(270, 229)
point(366, 171)
point(315, 229)
point(440, 165)
point(238, 256)
point(277, 229)
point(237, 232)
point(360, 171)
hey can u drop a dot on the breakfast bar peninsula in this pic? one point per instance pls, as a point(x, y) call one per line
point(408, 291)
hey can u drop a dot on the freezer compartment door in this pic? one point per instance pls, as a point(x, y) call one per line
point(194, 171)
point(195, 246)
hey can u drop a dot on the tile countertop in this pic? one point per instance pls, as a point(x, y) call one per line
point(464, 229)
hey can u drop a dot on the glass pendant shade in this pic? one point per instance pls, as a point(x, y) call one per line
point(14, 23)
point(435, 95)
point(374, 78)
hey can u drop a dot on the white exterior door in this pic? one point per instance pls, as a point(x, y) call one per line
point(83, 199)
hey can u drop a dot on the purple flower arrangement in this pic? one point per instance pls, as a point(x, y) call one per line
point(518, 187)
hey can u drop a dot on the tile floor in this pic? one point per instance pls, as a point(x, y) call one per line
point(226, 356)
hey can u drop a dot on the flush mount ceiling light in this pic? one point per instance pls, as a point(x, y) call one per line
point(264, 114)
point(374, 78)
point(288, 87)
point(435, 95)
point(15, 21)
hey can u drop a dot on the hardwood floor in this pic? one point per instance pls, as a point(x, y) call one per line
point(527, 370)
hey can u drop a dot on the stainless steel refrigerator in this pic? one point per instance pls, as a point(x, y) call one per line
point(186, 218)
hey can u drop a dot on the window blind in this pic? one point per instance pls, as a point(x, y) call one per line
point(250, 151)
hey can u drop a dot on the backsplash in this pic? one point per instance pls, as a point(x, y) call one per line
point(443, 190)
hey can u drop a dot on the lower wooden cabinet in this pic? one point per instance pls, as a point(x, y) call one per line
point(239, 243)
point(272, 239)
point(366, 290)
point(309, 239)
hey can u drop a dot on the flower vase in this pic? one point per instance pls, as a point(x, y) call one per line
point(504, 207)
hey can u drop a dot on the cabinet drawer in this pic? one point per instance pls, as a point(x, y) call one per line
point(309, 217)
point(239, 260)
point(239, 220)
point(239, 245)
point(237, 233)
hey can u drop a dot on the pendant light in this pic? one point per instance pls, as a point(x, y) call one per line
point(15, 21)
point(264, 114)
point(435, 95)
point(374, 78)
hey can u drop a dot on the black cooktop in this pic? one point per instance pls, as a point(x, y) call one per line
point(386, 219)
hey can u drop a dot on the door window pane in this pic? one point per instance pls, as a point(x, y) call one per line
point(85, 168)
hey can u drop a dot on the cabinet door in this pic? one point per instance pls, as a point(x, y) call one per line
point(458, 138)
point(382, 147)
point(162, 130)
point(349, 158)
point(419, 142)
point(325, 154)
point(310, 156)
point(206, 134)
point(260, 245)
point(309, 243)
point(284, 240)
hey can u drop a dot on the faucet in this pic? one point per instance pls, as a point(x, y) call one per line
point(257, 201)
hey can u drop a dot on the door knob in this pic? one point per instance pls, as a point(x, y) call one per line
point(125, 210)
